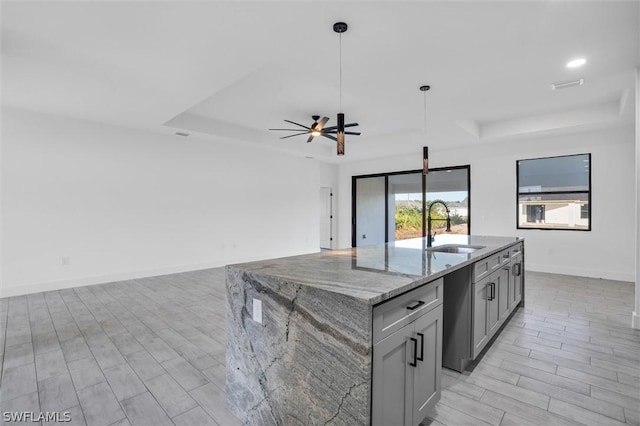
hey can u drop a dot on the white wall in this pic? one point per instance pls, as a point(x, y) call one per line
point(608, 251)
point(329, 179)
point(121, 203)
point(636, 313)
point(370, 214)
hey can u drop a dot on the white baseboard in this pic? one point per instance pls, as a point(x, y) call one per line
point(21, 289)
point(582, 272)
point(18, 290)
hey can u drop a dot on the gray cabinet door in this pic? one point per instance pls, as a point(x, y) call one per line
point(426, 385)
point(493, 307)
point(392, 386)
point(516, 280)
point(502, 290)
point(481, 293)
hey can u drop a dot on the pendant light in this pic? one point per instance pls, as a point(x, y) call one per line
point(340, 27)
point(425, 149)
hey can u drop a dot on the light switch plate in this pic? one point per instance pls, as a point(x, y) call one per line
point(257, 311)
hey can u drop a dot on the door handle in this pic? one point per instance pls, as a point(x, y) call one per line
point(492, 295)
point(421, 357)
point(420, 303)
point(415, 353)
point(519, 265)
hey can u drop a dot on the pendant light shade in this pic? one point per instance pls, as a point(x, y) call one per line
point(340, 135)
point(425, 160)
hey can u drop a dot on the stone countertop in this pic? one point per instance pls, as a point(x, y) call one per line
point(378, 272)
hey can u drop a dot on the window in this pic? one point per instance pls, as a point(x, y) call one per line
point(554, 193)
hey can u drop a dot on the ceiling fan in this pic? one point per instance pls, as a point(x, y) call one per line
point(317, 129)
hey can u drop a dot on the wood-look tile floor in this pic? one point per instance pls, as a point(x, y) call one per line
point(569, 357)
point(151, 352)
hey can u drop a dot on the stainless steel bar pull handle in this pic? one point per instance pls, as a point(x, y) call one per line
point(415, 353)
point(420, 303)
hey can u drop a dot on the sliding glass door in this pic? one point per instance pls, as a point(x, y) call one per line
point(389, 207)
point(405, 206)
point(450, 185)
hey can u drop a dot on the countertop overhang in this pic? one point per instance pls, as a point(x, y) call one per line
point(379, 272)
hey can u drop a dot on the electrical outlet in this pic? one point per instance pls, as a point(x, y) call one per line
point(257, 311)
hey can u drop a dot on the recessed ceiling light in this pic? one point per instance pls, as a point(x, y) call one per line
point(576, 63)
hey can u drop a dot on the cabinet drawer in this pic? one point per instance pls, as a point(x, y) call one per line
point(516, 250)
point(390, 316)
point(505, 256)
point(485, 266)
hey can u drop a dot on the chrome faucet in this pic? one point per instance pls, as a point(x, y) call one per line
point(430, 237)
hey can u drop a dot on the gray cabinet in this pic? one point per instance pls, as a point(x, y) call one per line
point(426, 378)
point(515, 279)
point(407, 363)
point(478, 301)
point(393, 379)
point(493, 303)
point(502, 286)
point(491, 306)
point(480, 320)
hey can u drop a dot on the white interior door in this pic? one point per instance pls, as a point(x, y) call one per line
point(326, 217)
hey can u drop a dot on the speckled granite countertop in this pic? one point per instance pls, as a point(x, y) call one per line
point(378, 272)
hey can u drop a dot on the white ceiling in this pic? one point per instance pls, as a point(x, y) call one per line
point(232, 70)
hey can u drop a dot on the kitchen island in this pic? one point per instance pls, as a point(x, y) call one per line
point(310, 338)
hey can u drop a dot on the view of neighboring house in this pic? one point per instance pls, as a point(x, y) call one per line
point(554, 214)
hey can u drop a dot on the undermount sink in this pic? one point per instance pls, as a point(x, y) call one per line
point(455, 248)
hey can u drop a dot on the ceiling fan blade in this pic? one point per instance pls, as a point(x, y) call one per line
point(322, 122)
point(336, 127)
point(310, 138)
point(289, 130)
point(297, 124)
point(352, 133)
point(330, 137)
point(297, 134)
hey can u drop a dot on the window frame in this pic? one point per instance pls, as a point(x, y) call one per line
point(587, 192)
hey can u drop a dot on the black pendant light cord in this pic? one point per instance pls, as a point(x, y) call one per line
point(340, 50)
point(425, 111)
